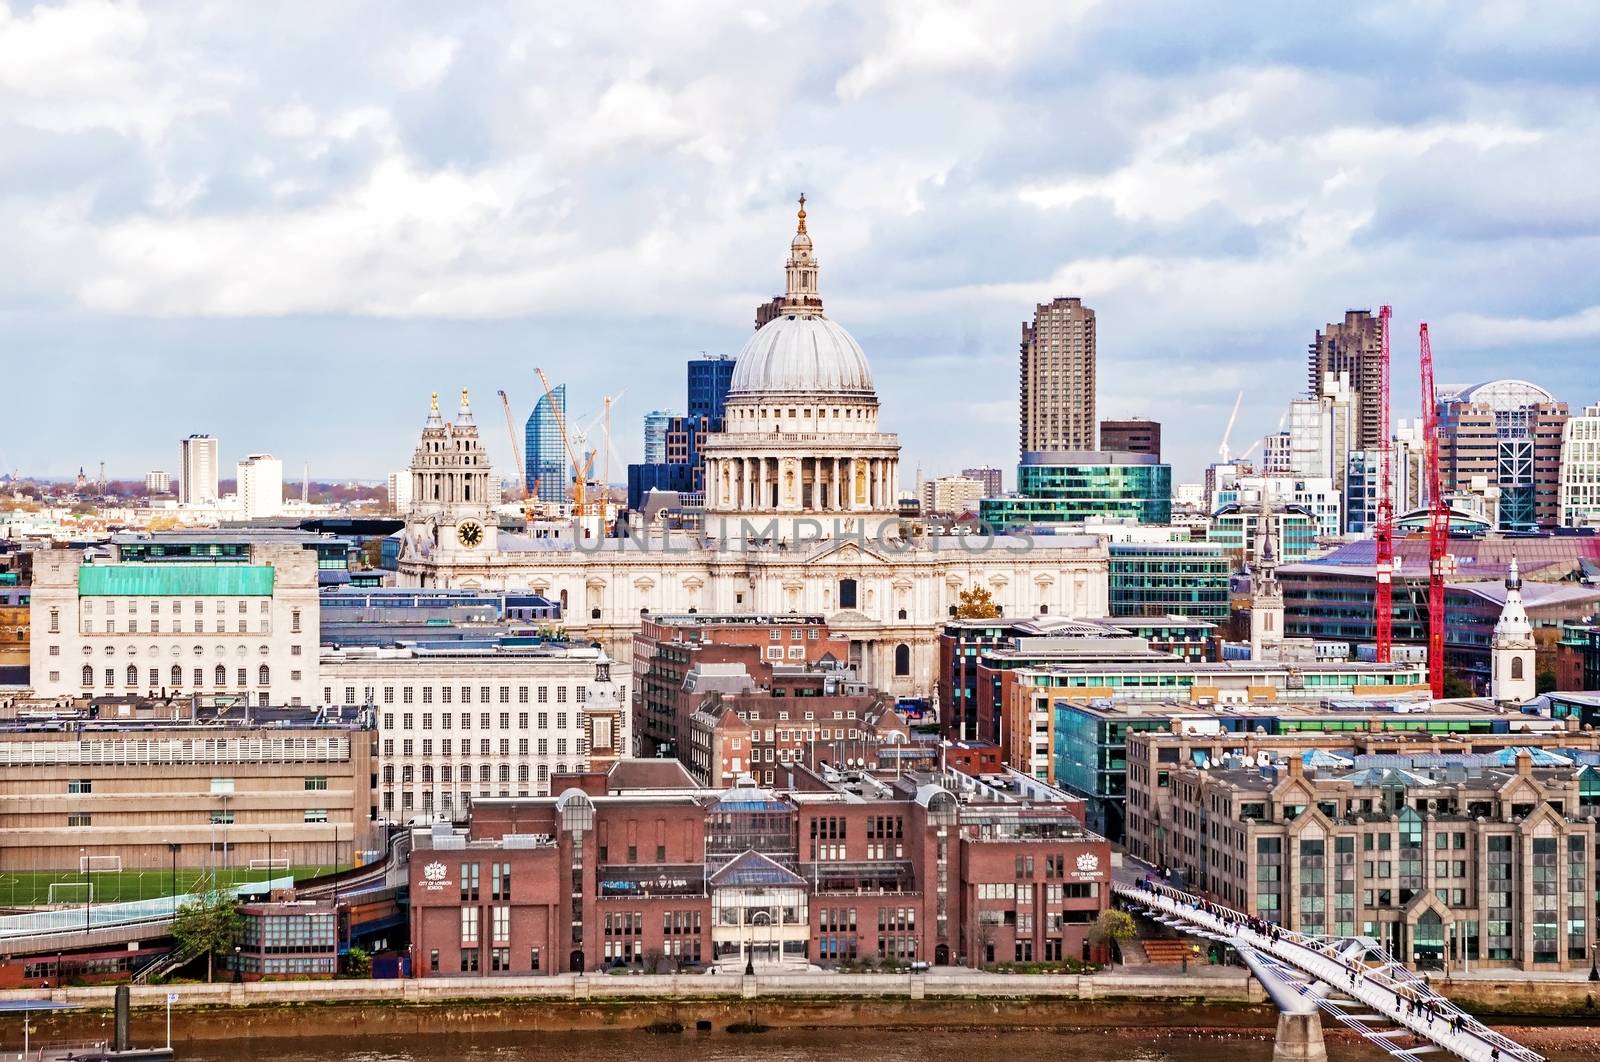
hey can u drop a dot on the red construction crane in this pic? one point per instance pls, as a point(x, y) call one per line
point(1438, 523)
point(1383, 599)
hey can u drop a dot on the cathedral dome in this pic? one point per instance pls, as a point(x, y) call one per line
point(801, 353)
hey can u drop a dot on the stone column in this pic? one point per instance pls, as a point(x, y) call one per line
point(1299, 1039)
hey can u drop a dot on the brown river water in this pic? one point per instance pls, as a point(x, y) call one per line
point(830, 1045)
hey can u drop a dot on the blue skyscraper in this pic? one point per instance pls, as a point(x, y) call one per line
point(709, 380)
point(655, 436)
point(545, 463)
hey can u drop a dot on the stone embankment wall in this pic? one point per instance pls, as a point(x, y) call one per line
point(721, 1003)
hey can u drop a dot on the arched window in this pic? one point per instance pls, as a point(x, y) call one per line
point(221, 678)
point(902, 659)
point(483, 773)
point(133, 675)
point(952, 610)
point(427, 773)
point(901, 614)
point(177, 674)
point(847, 593)
point(522, 772)
point(594, 613)
point(263, 675)
point(88, 675)
point(388, 774)
point(1516, 667)
point(503, 774)
point(446, 773)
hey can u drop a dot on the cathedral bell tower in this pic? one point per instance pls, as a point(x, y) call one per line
point(451, 497)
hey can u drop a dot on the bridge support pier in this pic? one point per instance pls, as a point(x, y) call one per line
point(1299, 1038)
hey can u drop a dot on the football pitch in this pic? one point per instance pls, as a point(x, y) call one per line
point(26, 888)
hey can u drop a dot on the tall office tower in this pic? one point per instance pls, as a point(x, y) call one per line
point(400, 492)
point(1353, 348)
point(197, 470)
point(1135, 435)
point(655, 435)
point(157, 483)
point(1057, 377)
point(989, 476)
point(545, 473)
point(709, 380)
point(1501, 440)
point(1580, 470)
point(1322, 433)
point(260, 486)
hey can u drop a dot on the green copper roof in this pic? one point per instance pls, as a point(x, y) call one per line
point(175, 580)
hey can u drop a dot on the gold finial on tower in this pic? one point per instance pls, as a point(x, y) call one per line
point(436, 401)
point(464, 396)
point(802, 212)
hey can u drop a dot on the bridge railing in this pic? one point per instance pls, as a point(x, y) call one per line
point(1398, 993)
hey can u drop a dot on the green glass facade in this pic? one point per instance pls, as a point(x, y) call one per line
point(1070, 493)
point(169, 579)
point(1169, 579)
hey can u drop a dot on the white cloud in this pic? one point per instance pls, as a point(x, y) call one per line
point(1215, 194)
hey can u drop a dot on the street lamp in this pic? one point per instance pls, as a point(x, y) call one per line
point(172, 847)
point(238, 965)
point(1594, 957)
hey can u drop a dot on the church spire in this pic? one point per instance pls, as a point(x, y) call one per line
point(801, 297)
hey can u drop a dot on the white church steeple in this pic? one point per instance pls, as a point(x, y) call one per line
point(1512, 658)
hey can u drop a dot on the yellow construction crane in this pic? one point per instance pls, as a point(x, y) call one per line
point(579, 468)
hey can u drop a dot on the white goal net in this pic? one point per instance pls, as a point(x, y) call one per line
point(99, 864)
point(71, 892)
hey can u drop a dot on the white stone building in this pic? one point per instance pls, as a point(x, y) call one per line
point(1580, 470)
point(801, 515)
point(260, 486)
point(459, 724)
point(247, 629)
point(197, 470)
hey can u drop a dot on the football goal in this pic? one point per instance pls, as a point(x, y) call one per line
point(70, 892)
point(99, 864)
point(270, 864)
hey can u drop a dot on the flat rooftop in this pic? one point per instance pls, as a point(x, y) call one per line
point(1339, 708)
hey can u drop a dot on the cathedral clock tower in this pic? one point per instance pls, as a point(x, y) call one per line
point(452, 514)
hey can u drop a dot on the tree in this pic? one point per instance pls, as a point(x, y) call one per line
point(210, 924)
point(1114, 927)
point(1545, 682)
point(357, 963)
point(1456, 686)
point(977, 603)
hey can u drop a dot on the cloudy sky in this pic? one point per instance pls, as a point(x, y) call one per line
point(285, 224)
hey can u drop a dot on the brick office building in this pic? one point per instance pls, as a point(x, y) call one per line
point(668, 646)
point(946, 869)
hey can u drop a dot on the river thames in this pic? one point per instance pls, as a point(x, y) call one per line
point(791, 1045)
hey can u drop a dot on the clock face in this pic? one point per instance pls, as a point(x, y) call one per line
point(469, 533)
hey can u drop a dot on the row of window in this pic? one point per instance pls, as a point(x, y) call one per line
point(217, 818)
point(446, 719)
point(219, 676)
point(408, 747)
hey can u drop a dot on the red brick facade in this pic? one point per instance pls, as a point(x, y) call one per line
point(549, 885)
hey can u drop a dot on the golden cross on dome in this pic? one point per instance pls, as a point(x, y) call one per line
point(436, 401)
point(463, 396)
point(802, 212)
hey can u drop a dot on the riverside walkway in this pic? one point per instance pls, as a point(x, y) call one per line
point(1352, 979)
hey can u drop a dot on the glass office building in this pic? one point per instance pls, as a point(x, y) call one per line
point(1169, 578)
point(1071, 486)
point(545, 461)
